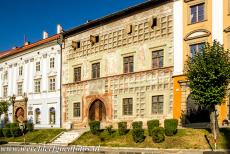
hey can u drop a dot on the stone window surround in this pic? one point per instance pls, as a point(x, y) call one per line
point(128, 115)
point(77, 66)
point(91, 67)
point(77, 117)
point(52, 89)
point(158, 102)
point(192, 3)
point(35, 91)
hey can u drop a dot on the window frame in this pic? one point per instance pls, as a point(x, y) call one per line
point(38, 66)
point(97, 70)
point(20, 91)
point(158, 58)
point(20, 70)
point(5, 91)
point(129, 61)
point(77, 108)
point(52, 62)
point(77, 74)
point(197, 48)
point(52, 84)
point(196, 4)
point(126, 104)
point(158, 105)
point(37, 89)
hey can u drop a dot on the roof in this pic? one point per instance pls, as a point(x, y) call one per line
point(32, 45)
point(113, 16)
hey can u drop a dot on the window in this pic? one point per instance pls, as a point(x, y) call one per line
point(52, 62)
point(78, 44)
point(128, 64)
point(20, 70)
point(5, 89)
point(157, 59)
point(157, 104)
point(127, 106)
point(37, 66)
point(19, 89)
point(77, 74)
point(97, 38)
point(37, 116)
point(52, 115)
point(52, 84)
point(37, 86)
point(95, 70)
point(154, 22)
point(5, 76)
point(77, 109)
point(197, 13)
point(196, 48)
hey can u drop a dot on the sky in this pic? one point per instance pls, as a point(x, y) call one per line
point(19, 18)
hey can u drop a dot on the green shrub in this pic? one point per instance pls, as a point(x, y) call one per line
point(105, 135)
point(6, 132)
point(138, 135)
point(109, 129)
point(7, 125)
point(3, 142)
point(29, 127)
point(94, 127)
point(151, 125)
point(170, 126)
point(1, 134)
point(122, 128)
point(137, 125)
point(158, 134)
point(13, 125)
point(15, 132)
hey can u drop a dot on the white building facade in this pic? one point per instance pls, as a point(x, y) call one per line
point(31, 76)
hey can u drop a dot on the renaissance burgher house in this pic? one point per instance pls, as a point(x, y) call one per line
point(130, 65)
point(30, 75)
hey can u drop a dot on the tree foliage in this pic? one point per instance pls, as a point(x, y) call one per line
point(208, 73)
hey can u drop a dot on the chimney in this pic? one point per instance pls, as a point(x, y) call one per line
point(59, 28)
point(45, 35)
point(26, 43)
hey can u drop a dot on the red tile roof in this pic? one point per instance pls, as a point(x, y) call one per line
point(23, 48)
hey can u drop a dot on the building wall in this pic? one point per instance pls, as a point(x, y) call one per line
point(113, 85)
point(43, 100)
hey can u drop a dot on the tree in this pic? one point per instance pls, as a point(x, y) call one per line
point(4, 107)
point(208, 74)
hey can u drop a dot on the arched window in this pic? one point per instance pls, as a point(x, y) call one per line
point(52, 115)
point(37, 116)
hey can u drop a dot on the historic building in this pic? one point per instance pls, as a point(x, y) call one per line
point(120, 67)
point(198, 21)
point(30, 75)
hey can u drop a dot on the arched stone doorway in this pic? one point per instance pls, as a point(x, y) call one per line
point(97, 111)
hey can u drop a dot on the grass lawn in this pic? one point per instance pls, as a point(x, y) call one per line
point(36, 136)
point(184, 139)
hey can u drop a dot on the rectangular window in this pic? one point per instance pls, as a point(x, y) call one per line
point(20, 70)
point(157, 104)
point(5, 91)
point(37, 86)
point(95, 70)
point(128, 64)
point(19, 89)
point(196, 48)
point(52, 62)
point(197, 13)
point(5, 76)
point(127, 106)
point(77, 109)
point(52, 84)
point(37, 66)
point(157, 59)
point(77, 74)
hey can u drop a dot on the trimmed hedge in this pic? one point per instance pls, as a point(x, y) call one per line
point(29, 127)
point(94, 127)
point(170, 126)
point(7, 125)
point(1, 134)
point(109, 129)
point(158, 134)
point(15, 132)
point(105, 135)
point(13, 125)
point(151, 125)
point(6, 132)
point(122, 128)
point(138, 135)
point(137, 125)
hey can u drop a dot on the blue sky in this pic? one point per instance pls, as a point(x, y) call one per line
point(32, 17)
